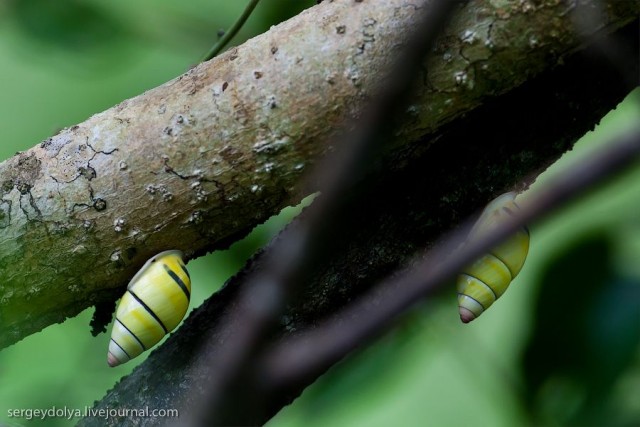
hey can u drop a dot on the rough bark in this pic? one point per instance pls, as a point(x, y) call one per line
point(199, 161)
point(196, 163)
point(426, 188)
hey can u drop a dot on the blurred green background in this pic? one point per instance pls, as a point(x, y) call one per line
point(560, 348)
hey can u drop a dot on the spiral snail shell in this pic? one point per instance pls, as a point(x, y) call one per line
point(484, 281)
point(156, 300)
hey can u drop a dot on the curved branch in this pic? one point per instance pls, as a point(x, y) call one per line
point(229, 34)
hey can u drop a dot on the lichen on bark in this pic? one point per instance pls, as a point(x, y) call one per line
point(197, 162)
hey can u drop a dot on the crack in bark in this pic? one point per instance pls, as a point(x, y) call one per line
point(89, 173)
point(198, 176)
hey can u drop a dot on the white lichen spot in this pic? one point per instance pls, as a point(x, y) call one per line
point(201, 195)
point(115, 256)
point(183, 120)
point(447, 56)
point(353, 75)
point(298, 167)
point(255, 188)
point(118, 224)
point(527, 7)
point(261, 146)
point(122, 165)
point(413, 110)
point(267, 167)
point(196, 217)
point(533, 41)
point(271, 146)
point(469, 37)
point(79, 249)
point(159, 189)
point(460, 77)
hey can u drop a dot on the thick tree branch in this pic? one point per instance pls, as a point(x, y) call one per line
point(199, 161)
point(426, 189)
point(203, 150)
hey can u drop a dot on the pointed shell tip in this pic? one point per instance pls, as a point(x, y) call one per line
point(112, 361)
point(466, 316)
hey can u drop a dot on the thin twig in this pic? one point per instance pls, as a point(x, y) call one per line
point(265, 296)
point(228, 35)
point(315, 351)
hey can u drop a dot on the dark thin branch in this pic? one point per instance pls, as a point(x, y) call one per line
point(228, 35)
point(265, 296)
point(315, 351)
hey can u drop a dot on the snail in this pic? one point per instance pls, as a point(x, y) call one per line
point(156, 300)
point(484, 281)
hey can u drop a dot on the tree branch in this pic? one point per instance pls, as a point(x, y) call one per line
point(199, 161)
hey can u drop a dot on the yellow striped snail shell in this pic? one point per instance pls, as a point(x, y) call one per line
point(484, 281)
point(156, 300)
